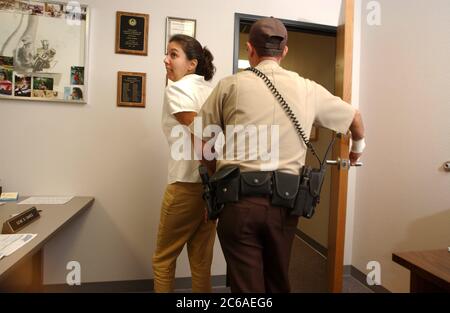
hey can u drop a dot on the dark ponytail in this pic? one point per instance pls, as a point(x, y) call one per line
point(207, 69)
point(194, 51)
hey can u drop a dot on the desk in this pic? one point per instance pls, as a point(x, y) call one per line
point(430, 270)
point(28, 261)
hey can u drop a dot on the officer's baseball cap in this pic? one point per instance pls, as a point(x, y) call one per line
point(268, 35)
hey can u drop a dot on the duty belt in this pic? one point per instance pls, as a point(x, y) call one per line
point(297, 193)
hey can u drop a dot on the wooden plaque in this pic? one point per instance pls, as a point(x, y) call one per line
point(131, 89)
point(132, 33)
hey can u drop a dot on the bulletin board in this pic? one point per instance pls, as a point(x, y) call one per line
point(43, 51)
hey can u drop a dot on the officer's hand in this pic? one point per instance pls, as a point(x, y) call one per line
point(354, 157)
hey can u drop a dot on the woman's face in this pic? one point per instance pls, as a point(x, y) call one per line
point(2, 76)
point(176, 62)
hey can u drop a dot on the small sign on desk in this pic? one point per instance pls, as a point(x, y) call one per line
point(21, 220)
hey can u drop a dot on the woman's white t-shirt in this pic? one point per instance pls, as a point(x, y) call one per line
point(185, 95)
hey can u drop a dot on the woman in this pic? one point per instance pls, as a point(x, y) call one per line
point(190, 68)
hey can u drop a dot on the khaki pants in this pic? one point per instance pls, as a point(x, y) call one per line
point(182, 222)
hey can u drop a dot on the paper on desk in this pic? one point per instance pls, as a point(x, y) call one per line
point(46, 200)
point(10, 243)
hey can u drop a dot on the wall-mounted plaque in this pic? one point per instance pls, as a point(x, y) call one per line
point(131, 33)
point(131, 89)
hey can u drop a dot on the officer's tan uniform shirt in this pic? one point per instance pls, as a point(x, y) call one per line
point(244, 99)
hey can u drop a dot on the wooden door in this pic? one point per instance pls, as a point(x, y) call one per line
point(339, 175)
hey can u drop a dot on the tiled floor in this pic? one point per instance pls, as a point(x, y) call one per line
point(352, 285)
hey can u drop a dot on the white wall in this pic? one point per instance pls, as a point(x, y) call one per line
point(119, 155)
point(402, 194)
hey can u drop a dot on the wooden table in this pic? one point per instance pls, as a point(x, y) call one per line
point(23, 269)
point(430, 270)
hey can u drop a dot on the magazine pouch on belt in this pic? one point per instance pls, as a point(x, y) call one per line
point(225, 183)
point(256, 183)
point(285, 189)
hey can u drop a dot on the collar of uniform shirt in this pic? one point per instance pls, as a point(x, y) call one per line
point(268, 64)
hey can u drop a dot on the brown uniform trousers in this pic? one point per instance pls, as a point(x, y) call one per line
point(256, 240)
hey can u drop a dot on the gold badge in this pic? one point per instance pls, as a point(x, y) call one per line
point(132, 22)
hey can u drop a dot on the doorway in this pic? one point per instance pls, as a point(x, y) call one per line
point(312, 54)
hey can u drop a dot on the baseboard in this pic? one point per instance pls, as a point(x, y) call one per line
point(144, 285)
point(314, 244)
point(350, 270)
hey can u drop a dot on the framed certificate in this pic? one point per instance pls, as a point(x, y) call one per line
point(176, 25)
point(131, 89)
point(132, 33)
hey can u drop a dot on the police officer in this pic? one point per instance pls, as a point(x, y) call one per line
point(256, 236)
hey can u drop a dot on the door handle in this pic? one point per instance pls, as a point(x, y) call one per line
point(447, 166)
point(342, 163)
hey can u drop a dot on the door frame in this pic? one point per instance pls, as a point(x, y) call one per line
point(339, 178)
point(248, 19)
